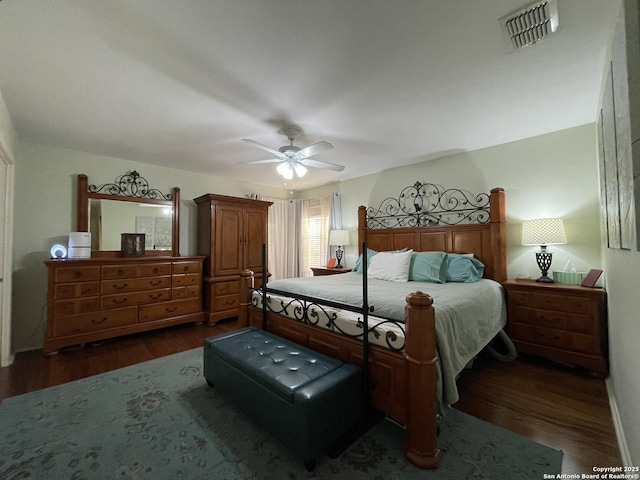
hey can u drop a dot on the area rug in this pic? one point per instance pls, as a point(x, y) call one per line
point(159, 420)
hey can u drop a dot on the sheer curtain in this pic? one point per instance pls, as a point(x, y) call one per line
point(285, 217)
point(299, 234)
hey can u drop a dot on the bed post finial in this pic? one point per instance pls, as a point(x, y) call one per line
point(420, 446)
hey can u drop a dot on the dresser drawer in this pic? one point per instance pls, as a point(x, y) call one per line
point(549, 302)
point(135, 284)
point(134, 298)
point(76, 305)
point(586, 344)
point(186, 280)
point(73, 290)
point(186, 292)
point(520, 299)
point(582, 324)
point(167, 310)
point(562, 303)
point(523, 332)
point(76, 274)
point(521, 314)
point(552, 338)
point(578, 305)
point(139, 270)
point(550, 319)
point(185, 267)
point(89, 322)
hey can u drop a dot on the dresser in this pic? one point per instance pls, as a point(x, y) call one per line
point(98, 298)
point(565, 323)
point(322, 271)
point(231, 234)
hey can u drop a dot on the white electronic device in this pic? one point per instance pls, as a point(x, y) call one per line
point(58, 251)
point(80, 245)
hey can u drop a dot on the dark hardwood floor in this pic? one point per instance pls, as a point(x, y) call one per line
point(554, 405)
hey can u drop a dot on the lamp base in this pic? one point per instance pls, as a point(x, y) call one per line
point(339, 253)
point(543, 258)
point(545, 279)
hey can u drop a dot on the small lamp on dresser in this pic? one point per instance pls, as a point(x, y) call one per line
point(543, 232)
point(339, 238)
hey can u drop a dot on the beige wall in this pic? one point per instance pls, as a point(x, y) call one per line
point(622, 268)
point(8, 136)
point(45, 214)
point(553, 175)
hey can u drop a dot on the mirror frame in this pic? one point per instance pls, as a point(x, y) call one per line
point(130, 187)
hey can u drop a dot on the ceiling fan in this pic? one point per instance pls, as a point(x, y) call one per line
point(295, 159)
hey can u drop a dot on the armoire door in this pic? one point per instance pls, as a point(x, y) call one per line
point(255, 235)
point(229, 244)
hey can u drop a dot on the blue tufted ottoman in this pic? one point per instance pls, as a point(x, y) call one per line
point(307, 400)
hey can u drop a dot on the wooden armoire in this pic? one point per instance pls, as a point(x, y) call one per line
point(231, 232)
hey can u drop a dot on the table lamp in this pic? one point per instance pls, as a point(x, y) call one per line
point(543, 232)
point(339, 238)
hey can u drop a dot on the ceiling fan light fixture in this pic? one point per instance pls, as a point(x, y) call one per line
point(301, 171)
point(285, 170)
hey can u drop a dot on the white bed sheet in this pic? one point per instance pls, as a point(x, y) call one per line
point(468, 315)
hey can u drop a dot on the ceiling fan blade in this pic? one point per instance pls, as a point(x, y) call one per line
point(314, 149)
point(263, 147)
point(317, 164)
point(270, 160)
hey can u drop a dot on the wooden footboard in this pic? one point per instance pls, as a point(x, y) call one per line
point(403, 385)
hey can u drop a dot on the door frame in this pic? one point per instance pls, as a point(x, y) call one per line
point(7, 182)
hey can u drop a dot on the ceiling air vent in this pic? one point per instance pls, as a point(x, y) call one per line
point(532, 24)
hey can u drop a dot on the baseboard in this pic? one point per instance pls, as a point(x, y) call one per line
point(617, 425)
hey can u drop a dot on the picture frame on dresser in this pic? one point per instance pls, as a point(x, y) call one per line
point(132, 244)
point(592, 278)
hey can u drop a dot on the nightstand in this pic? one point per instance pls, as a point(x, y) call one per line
point(319, 271)
point(565, 323)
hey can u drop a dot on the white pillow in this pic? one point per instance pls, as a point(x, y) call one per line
point(392, 266)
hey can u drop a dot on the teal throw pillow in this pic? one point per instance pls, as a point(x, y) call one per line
point(464, 269)
point(428, 267)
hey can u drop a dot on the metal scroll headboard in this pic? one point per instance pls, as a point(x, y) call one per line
point(424, 204)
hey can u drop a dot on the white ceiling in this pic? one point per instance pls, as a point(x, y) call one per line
point(388, 83)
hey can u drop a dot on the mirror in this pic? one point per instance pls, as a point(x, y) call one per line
point(128, 206)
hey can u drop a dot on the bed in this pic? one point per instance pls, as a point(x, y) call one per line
point(410, 353)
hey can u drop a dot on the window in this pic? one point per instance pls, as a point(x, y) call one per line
point(315, 233)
